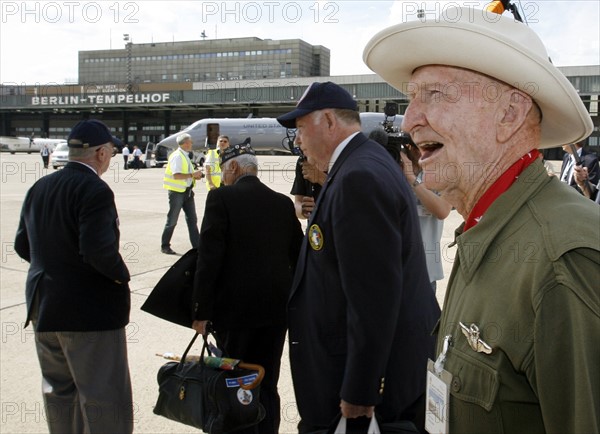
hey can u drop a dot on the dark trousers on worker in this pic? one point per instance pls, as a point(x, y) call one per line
point(177, 202)
point(263, 346)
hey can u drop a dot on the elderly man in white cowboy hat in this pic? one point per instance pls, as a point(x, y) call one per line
point(518, 337)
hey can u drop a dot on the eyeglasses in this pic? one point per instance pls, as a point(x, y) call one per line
point(110, 147)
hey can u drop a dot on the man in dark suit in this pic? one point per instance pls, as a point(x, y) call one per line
point(569, 166)
point(249, 243)
point(77, 292)
point(361, 309)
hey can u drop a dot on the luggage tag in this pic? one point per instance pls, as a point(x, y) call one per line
point(438, 392)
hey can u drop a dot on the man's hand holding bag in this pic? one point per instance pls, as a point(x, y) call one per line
point(213, 394)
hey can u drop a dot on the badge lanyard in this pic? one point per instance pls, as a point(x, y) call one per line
point(438, 392)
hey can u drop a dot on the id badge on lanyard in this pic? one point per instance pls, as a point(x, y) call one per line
point(438, 393)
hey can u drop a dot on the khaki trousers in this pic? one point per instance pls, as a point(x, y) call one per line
point(85, 381)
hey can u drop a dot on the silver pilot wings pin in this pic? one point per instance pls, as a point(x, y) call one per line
point(472, 335)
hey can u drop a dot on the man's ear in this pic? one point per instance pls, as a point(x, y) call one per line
point(330, 119)
point(100, 151)
point(513, 113)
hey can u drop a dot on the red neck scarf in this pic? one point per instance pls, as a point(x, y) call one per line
point(500, 186)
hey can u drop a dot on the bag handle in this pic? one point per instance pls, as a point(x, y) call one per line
point(185, 353)
point(249, 366)
point(257, 380)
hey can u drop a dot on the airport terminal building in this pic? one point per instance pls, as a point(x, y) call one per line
point(207, 60)
point(146, 92)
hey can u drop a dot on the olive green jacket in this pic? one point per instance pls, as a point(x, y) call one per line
point(528, 275)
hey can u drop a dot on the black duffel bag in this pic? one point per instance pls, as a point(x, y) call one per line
point(214, 399)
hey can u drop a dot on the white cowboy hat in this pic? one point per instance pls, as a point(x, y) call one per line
point(491, 44)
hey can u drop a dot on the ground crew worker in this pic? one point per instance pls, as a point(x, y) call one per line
point(45, 153)
point(213, 168)
point(179, 180)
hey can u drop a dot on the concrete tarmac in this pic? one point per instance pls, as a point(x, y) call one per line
point(142, 206)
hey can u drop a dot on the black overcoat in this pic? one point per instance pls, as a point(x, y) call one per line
point(249, 243)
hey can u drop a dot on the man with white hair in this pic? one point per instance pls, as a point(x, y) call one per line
point(249, 244)
point(179, 180)
point(518, 337)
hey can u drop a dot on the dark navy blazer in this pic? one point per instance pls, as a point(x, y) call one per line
point(69, 233)
point(362, 309)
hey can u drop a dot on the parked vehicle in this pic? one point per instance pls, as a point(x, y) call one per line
point(60, 156)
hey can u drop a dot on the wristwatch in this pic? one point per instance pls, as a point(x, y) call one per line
point(418, 181)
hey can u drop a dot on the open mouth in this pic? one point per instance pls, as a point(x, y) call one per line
point(429, 148)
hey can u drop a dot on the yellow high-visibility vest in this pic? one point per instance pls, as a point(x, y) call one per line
point(169, 181)
point(215, 169)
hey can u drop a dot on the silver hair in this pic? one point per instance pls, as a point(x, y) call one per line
point(345, 116)
point(317, 117)
point(82, 153)
point(248, 162)
point(182, 138)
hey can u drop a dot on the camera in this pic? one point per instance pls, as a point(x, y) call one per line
point(397, 140)
point(289, 143)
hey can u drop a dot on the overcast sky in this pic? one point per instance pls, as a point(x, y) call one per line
point(40, 40)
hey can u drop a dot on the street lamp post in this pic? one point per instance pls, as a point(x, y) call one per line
point(128, 45)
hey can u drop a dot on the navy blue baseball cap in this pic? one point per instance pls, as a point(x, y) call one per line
point(90, 133)
point(319, 96)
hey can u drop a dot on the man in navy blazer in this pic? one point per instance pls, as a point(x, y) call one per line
point(361, 310)
point(77, 289)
